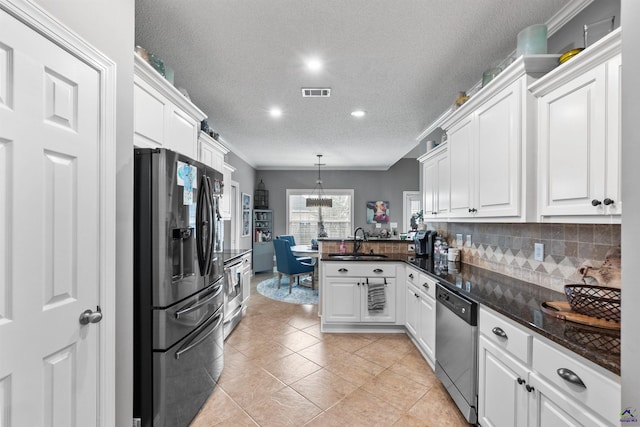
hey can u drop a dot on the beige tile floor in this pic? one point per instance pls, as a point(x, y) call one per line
point(280, 370)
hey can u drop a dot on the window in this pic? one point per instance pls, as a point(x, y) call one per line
point(303, 222)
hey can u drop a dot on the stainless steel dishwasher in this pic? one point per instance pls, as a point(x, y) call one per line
point(457, 349)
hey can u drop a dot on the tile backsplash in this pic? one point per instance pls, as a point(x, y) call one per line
point(509, 248)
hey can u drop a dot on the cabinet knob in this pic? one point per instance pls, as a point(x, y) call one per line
point(529, 388)
point(472, 210)
point(521, 381)
point(596, 202)
point(410, 275)
point(608, 201)
point(425, 285)
point(343, 270)
point(378, 270)
point(417, 296)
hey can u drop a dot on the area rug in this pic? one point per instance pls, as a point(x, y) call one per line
point(298, 295)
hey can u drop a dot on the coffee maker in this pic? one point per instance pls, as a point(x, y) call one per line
point(424, 240)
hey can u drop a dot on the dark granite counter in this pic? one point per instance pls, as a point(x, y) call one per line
point(232, 254)
point(521, 301)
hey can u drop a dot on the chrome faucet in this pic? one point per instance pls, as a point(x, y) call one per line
point(356, 243)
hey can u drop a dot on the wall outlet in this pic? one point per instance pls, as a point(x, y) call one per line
point(411, 248)
point(468, 242)
point(538, 251)
point(459, 240)
point(378, 225)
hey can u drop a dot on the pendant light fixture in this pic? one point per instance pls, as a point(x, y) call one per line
point(321, 200)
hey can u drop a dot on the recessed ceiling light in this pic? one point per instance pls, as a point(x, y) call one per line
point(314, 64)
point(275, 112)
point(358, 113)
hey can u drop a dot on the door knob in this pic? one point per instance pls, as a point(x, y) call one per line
point(89, 316)
point(596, 202)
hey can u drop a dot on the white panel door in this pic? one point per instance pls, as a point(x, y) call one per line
point(461, 142)
point(50, 225)
point(430, 188)
point(183, 136)
point(498, 154)
point(572, 146)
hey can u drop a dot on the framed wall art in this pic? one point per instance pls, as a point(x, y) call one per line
point(246, 214)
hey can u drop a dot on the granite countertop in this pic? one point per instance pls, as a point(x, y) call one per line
point(521, 302)
point(229, 255)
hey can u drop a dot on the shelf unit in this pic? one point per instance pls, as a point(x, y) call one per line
point(262, 236)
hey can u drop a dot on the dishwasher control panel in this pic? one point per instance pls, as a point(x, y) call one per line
point(463, 307)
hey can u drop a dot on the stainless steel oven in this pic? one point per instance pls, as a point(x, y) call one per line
point(457, 349)
point(232, 295)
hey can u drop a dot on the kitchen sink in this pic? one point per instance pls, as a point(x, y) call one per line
point(356, 257)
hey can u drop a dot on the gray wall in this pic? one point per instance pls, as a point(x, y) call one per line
point(245, 176)
point(571, 35)
point(630, 218)
point(108, 25)
point(367, 185)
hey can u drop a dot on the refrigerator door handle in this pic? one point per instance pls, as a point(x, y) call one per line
point(204, 219)
point(211, 229)
point(194, 343)
point(199, 304)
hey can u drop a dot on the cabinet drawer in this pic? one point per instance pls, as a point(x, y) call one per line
point(601, 393)
point(413, 276)
point(359, 269)
point(427, 285)
point(515, 340)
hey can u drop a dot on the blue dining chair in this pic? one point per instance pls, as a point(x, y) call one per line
point(287, 264)
point(292, 242)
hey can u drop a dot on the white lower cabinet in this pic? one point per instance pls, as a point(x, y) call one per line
point(524, 380)
point(421, 312)
point(345, 290)
point(502, 399)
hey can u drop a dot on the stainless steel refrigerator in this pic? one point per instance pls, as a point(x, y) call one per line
point(178, 287)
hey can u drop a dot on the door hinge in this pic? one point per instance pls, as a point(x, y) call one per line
point(137, 422)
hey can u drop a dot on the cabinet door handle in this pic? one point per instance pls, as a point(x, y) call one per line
point(499, 332)
point(378, 270)
point(570, 376)
point(425, 285)
point(342, 270)
point(608, 201)
point(417, 296)
point(596, 202)
point(410, 275)
point(529, 388)
point(521, 381)
point(472, 210)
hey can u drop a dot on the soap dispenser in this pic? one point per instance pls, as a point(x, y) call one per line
point(342, 248)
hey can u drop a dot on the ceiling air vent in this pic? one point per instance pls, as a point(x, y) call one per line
point(322, 92)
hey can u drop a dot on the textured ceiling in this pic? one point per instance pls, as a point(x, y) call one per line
point(403, 62)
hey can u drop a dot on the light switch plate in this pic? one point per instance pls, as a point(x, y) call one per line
point(538, 251)
point(468, 243)
point(459, 240)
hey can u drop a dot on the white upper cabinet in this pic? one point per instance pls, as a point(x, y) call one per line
point(579, 136)
point(163, 117)
point(435, 184)
point(491, 144)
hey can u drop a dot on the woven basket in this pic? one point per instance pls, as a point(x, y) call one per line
point(596, 301)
